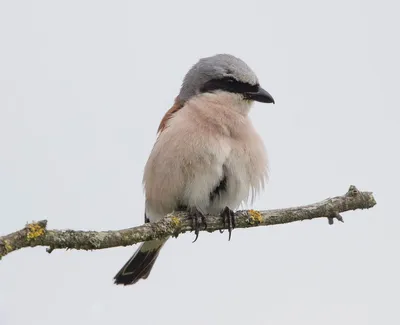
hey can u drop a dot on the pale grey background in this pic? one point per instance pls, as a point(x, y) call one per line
point(83, 85)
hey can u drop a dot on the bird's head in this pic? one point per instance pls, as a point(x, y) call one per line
point(223, 73)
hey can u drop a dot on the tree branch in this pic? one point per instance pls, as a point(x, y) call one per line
point(36, 233)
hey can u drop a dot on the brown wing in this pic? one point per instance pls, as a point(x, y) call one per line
point(176, 107)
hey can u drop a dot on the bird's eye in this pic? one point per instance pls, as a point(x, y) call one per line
point(230, 79)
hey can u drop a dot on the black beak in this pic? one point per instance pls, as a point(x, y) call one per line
point(260, 96)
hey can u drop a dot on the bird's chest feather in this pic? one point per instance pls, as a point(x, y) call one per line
point(244, 171)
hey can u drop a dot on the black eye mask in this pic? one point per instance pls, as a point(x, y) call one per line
point(229, 84)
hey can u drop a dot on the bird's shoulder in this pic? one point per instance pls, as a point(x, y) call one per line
point(168, 115)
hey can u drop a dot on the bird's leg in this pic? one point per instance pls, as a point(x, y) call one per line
point(228, 219)
point(197, 219)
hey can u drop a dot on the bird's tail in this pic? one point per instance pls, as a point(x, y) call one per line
point(140, 264)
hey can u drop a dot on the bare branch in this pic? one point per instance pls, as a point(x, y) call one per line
point(36, 234)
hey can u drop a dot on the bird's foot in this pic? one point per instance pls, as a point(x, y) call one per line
point(228, 219)
point(335, 215)
point(197, 219)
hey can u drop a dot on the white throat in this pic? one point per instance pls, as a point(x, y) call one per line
point(231, 100)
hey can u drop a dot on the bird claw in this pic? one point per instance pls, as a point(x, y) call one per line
point(197, 219)
point(228, 219)
point(335, 215)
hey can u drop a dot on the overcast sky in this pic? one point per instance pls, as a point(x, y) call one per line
point(83, 86)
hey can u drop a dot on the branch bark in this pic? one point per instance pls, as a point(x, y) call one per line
point(37, 234)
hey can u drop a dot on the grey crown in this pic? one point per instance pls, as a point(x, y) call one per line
point(215, 67)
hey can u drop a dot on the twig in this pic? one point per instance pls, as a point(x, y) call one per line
point(36, 233)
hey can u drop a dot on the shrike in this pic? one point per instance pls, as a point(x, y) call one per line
point(208, 158)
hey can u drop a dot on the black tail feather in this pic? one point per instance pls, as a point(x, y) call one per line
point(139, 265)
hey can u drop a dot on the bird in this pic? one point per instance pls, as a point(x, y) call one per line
point(207, 158)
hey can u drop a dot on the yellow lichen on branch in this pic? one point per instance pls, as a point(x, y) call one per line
point(35, 230)
point(7, 246)
point(175, 221)
point(255, 217)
